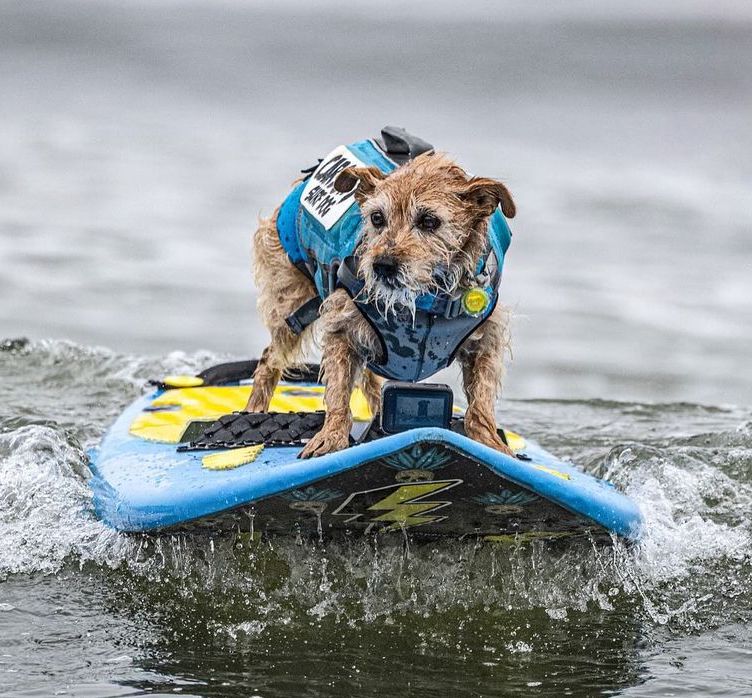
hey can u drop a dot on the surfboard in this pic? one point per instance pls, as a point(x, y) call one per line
point(184, 456)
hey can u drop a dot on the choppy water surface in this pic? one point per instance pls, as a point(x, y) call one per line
point(90, 612)
point(138, 142)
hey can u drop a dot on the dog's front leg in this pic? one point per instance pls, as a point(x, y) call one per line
point(482, 360)
point(274, 359)
point(347, 340)
point(340, 366)
point(283, 288)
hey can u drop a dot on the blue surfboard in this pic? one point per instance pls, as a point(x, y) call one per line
point(183, 456)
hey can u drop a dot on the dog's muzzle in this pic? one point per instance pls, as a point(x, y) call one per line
point(385, 268)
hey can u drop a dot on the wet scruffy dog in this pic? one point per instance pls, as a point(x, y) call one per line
point(422, 228)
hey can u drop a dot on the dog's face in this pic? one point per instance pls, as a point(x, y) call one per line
point(424, 227)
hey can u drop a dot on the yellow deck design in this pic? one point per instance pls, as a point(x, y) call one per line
point(171, 412)
point(514, 441)
point(553, 471)
point(234, 458)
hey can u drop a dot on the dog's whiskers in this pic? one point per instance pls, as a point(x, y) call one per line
point(389, 301)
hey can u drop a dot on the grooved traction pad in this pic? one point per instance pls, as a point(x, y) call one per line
point(250, 428)
point(241, 429)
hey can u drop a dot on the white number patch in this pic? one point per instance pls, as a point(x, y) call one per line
point(320, 198)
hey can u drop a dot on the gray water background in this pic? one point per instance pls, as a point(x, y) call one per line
point(139, 141)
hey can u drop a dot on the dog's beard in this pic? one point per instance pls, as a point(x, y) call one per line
point(400, 294)
point(393, 297)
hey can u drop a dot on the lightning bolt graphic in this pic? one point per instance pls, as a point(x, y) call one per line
point(402, 507)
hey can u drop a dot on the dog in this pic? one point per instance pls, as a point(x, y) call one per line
point(377, 249)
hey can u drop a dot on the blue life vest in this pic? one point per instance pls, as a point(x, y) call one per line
point(319, 228)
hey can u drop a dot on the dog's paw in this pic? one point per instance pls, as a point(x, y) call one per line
point(324, 442)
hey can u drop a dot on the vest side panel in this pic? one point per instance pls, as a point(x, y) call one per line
point(287, 228)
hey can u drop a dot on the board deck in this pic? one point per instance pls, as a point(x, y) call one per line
point(428, 482)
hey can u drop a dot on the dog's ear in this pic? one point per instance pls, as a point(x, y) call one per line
point(486, 194)
point(364, 178)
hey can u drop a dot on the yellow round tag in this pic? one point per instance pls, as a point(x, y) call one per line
point(475, 301)
point(182, 381)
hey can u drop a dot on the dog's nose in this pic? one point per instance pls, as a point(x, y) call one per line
point(385, 267)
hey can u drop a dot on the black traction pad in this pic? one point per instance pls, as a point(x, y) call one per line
point(241, 429)
point(249, 428)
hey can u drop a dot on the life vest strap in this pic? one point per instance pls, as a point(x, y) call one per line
point(305, 315)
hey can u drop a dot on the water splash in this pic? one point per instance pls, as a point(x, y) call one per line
point(692, 487)
point(45, 512)
point(56, 399)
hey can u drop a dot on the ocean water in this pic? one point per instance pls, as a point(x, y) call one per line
point(139, 141)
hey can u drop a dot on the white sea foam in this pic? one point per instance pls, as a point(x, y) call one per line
point(682, 529)
point(696, 534)
point(45, 510)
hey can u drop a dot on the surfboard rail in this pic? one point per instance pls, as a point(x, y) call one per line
point(429, 481)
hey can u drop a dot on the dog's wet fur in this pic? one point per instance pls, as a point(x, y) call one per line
point(424, 231)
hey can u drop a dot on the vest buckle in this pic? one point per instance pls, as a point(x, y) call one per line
point(453, 308)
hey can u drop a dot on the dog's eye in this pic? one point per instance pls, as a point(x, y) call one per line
point(377, 218)
point(427, 222)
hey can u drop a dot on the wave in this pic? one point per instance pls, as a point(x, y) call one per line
point(693, 487)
